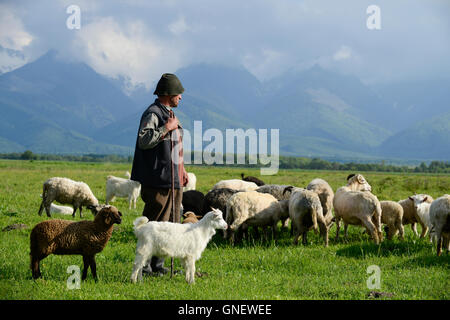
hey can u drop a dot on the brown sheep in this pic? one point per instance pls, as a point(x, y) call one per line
point(62, 237)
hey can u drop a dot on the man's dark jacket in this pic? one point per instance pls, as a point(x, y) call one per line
point(152, 167)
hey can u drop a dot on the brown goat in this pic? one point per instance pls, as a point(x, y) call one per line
point(62, 237)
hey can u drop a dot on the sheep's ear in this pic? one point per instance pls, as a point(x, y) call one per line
point(120, 213)
point(288, 189)
point(350, 176)
point(198, 217)
point(424, 199)
point(410, 198)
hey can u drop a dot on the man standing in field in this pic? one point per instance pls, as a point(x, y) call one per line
point(158, 159)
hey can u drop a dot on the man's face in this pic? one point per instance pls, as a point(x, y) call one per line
point(175, 100)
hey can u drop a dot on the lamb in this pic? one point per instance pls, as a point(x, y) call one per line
point(63, 237)
point(235, 184)
point(326, 196)
point(355, 204)
point(190, 217)
point(246, 204)
point(269, 217)
point(166, 239)
point(60, 209)
point(67, 191)
point(192, 182)
point(122, 188)
point(410, 214)
point(258, 182)
point(305, 211)
point(193, 201)
point(440, 221)
point(422, 209)
point(392, 216)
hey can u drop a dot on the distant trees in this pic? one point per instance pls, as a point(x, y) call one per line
point(284, 162)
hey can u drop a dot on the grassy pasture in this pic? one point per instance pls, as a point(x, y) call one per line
point(255, 269)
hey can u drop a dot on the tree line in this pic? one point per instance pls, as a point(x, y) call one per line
point(285, 162)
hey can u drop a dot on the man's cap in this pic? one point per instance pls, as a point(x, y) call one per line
point(168, 85)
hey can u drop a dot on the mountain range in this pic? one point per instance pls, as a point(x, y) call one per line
point(55, 106)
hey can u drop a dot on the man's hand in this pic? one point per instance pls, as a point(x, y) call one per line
point(185, 178)
point(171, 124)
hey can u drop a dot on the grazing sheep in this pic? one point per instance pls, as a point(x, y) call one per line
point(167, 239)
point(63, 237)
point(410, 214)
point(440, 221)
point(326, 195)
point(192, 182)
point(235, 184)
point(391, 216)
point(246, 204)
point(252, 179)
point(422, 209)
point(66, 191)
point(217, 198)
point(305, 211)
point(356, 205)
point(190, 217)
point(122, 188)
point(269, 216)
point(277, 191)
point(193, 201)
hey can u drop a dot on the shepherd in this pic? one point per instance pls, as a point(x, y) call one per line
point(158, 161)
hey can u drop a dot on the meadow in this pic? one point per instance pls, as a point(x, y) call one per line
point(255, 269)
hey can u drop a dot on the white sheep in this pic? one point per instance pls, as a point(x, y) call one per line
point(246, 204)
point(236, 184)
point(326, 196)
point(356, 205)
point(122, 188)
point(277, 191)
point(440, 221)
point(192, 182)
point(269, 217)
point(305, 211)
point(422, 210)
point(410, 213)
point(67, 191)
point(392, 216)
point(167, 239)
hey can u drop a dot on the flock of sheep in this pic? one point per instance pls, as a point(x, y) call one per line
point(244, 202)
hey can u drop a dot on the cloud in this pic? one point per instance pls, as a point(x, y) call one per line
point(343, 53)
point(12, 32)
point(179, 26)
point(127, 49)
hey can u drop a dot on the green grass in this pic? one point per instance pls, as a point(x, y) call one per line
point(255, 269)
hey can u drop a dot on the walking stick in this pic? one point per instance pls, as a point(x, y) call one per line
point(173, 187)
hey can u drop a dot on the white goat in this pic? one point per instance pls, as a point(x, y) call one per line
point(167, 239)
point(122, 188)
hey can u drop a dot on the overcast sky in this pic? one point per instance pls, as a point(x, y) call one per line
point(140, 39)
